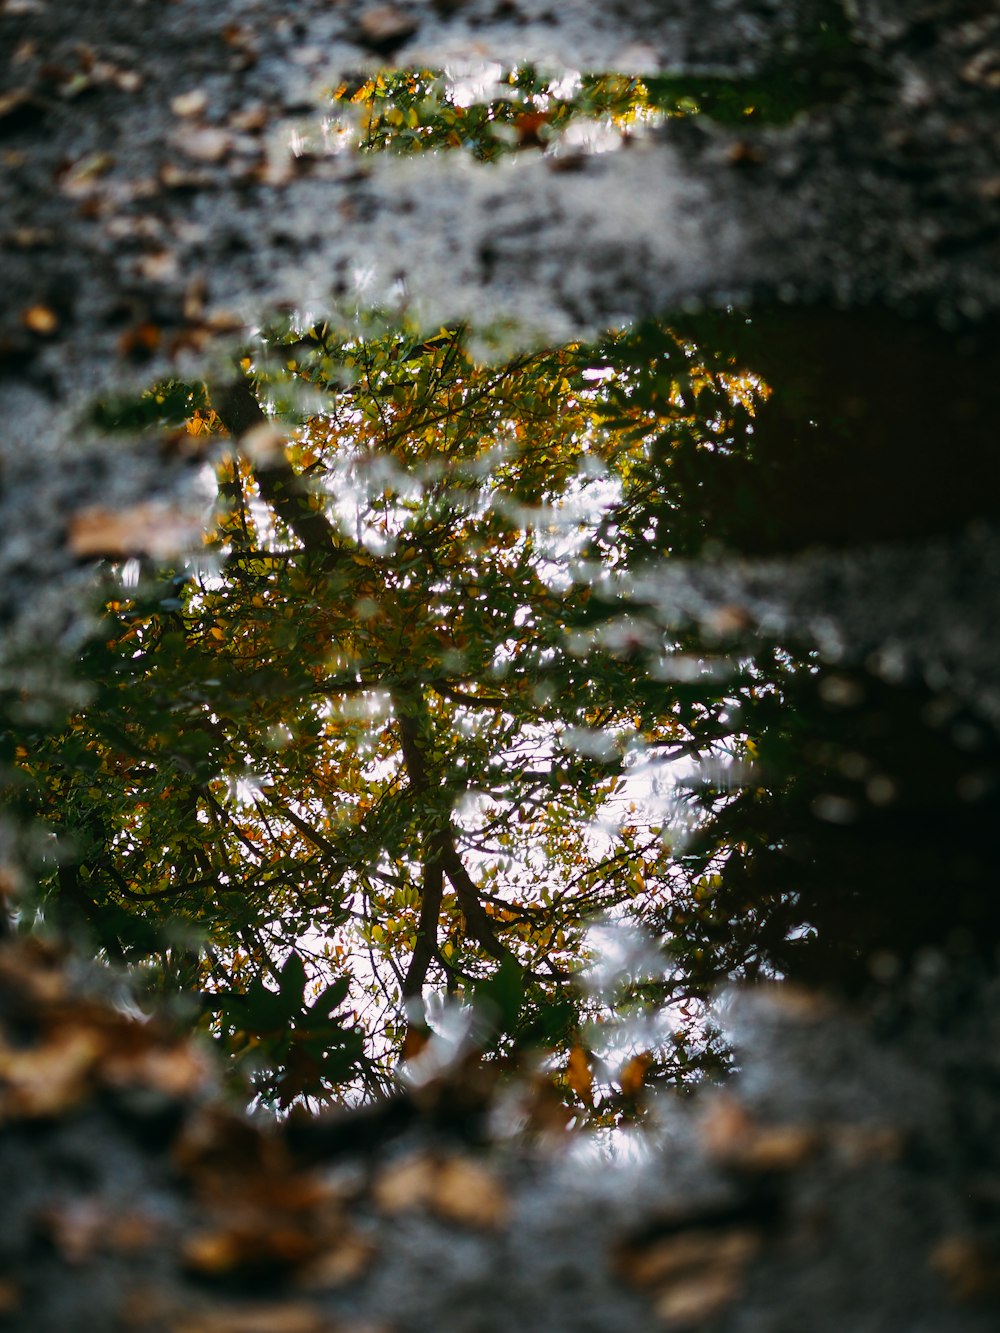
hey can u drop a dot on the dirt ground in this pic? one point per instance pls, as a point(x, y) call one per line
point(151, 211)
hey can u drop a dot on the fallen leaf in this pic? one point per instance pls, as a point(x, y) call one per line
point(83, 177)
point(258, 1243)
point(343, 1261)
point(40, 319)
point(404, 1185)
point(742, 153)
point(176, 1071)
point(983, 69)
point(732, 1137)
point(152, 528)
point(82, 1228)
point(691, 1301)
point(194, 298)
point(32, 238)
point(382, 28)
point(467, 1192)
point(969, 1266)
point(160, 266)
point(183, 178)
point(857, 1145)
point(288, 1317)
point(14, 99)
point(726, 621)
point(249, 120)
point(203, 143)
point(191, 103)
point(224, 321)
point(140, 340)
point(456, 1188)
point(45, 1080)
point(693, 1275)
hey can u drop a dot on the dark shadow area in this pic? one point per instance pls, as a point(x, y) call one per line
point(878, 428)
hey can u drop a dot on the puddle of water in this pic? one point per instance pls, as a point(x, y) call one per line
point(437, 650)
point(490, 111)
point(876, 429)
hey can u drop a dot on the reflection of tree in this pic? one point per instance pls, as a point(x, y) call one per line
point(377, 732)
point(354, 765)
point(874, 431)
point(868, 839)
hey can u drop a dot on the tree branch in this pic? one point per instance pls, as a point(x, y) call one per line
point(287, 493)
point(427, 929)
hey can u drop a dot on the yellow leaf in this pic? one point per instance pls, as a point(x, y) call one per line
point(633, 1073)
point(580, 1076)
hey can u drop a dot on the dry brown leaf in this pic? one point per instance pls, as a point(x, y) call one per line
point(458, 1189)
point(983, 69)
point(183, 178)
point(84, 1227)
point(794, 1003)
point(384, 27)
point(140, 340)
point(194, 298)
point(31, 970)
point(225, 321)
point(249, 120)
point(858, 1145)
point(257, 1243)
point(467, 1192)
point(691, 1275)
point(160, 266)
point(212, 1252)
point(46, 1080)
point(691, 1301)
point(779, 1149)
point(32, 238)
point(202, 143)
point(40, 319)
point(687, 1253)
point(725, 621)
point(339, 1263)
point(287, 1317)
point(732, 1137)
point(175, 1071)
point(969, 1266)
point(218, 1147)
point(83, 178)
point(191, 103)
point(151, 528)
point(14, 100)
point(404, 1185)
point(76, 1230)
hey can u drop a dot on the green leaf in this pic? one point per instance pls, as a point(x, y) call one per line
point(498, 998)
point(331, 997)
